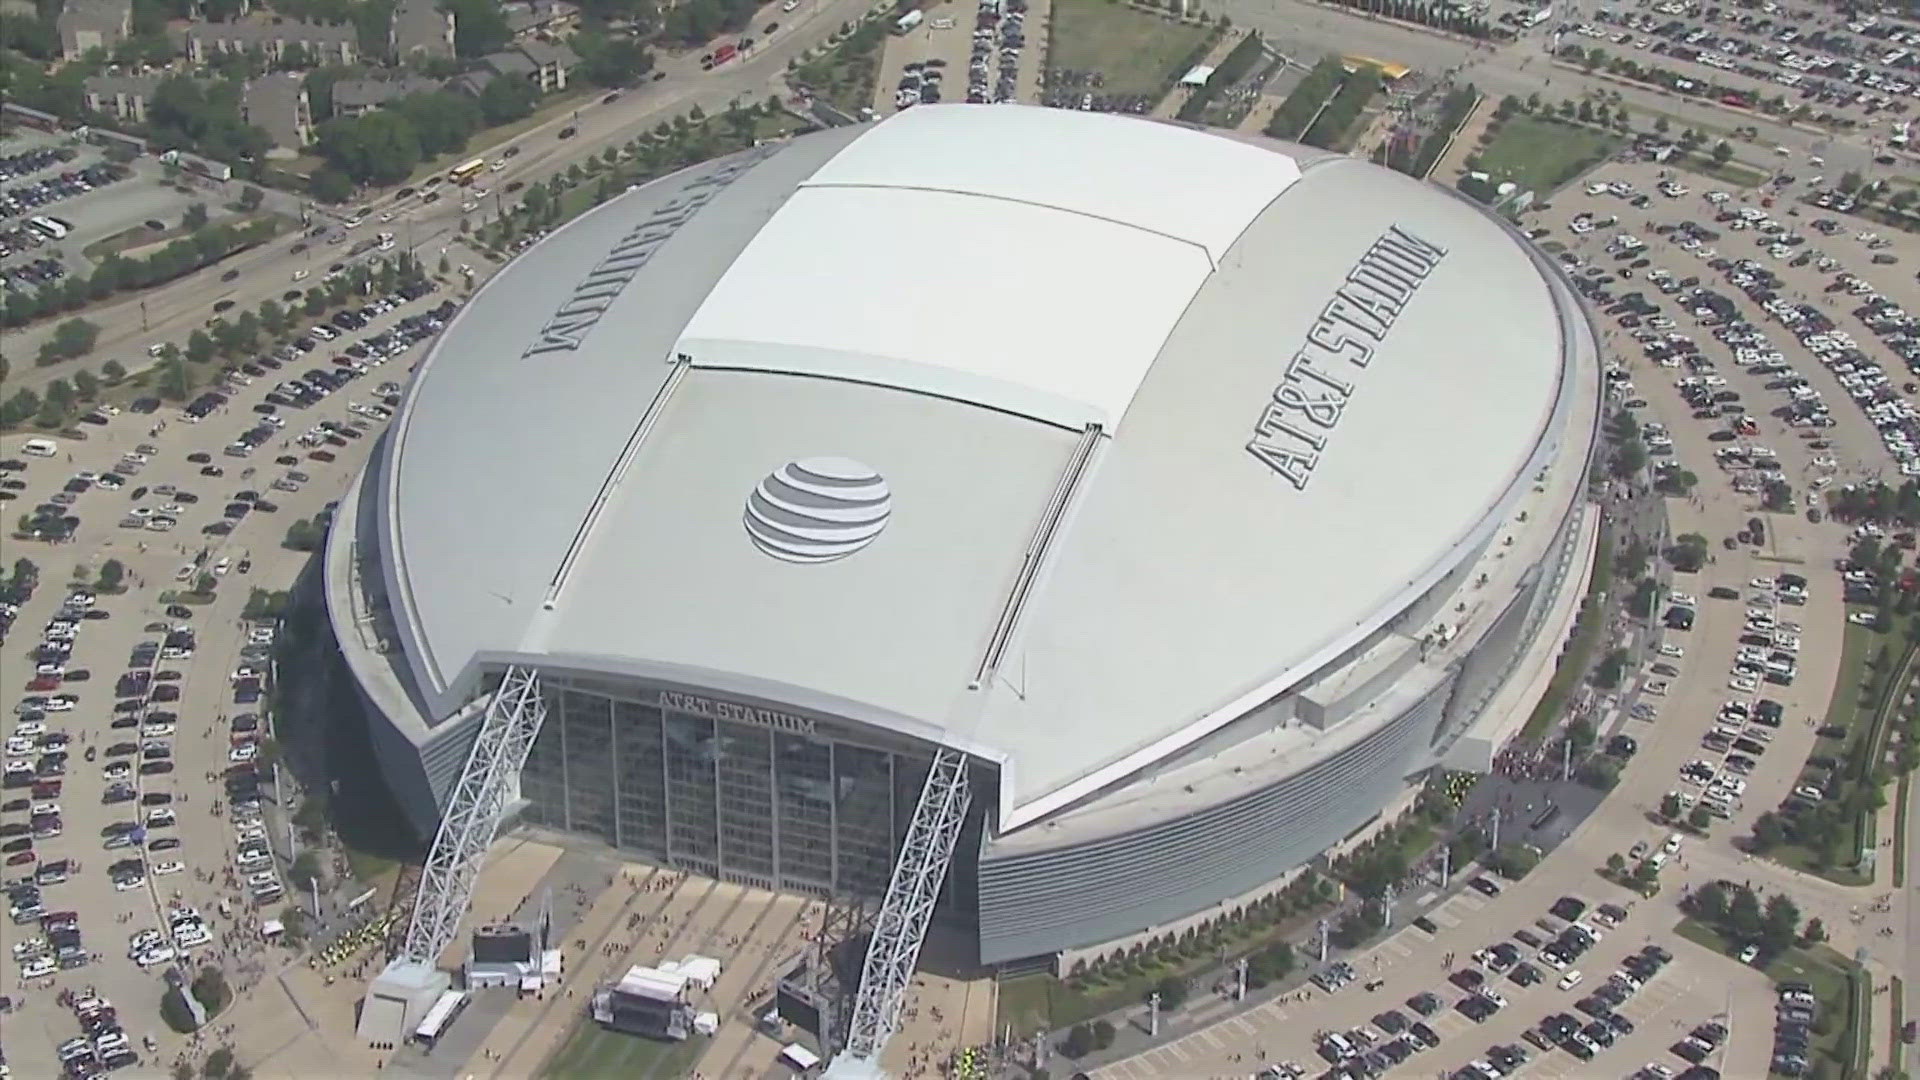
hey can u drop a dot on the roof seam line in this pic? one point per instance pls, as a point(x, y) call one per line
point(681, 364)
point(1204, 253)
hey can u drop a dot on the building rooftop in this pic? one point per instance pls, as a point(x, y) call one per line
point(366, 93)
point(1095, 458)
point(274, 29)
point(104, 16)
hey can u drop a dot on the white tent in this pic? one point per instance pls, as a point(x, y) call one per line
point(799, 1056)
point(701, 971)
point(1199, 76)
point(272, 928)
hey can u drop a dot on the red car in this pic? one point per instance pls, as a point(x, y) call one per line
point(21, 858)
point(44, 682)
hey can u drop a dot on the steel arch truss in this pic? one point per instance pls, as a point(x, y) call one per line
point(499, 752)
point(901, 927)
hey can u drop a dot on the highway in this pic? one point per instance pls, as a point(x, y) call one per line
point(172, 312)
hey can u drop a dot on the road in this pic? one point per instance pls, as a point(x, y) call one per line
point(174, 311)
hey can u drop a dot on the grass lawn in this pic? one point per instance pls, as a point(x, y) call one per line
point(1897, 995)
point(1543, 154)
point(1039, 1002)
point(592, 1052)
point(1134, 51)
point(1586, 637)
point(1030, 1002)
point(844, 75)
point(1902, 792)
point(1844, 1031)
point(1736, 173)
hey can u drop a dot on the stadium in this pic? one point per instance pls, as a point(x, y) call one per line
point(1205, 491)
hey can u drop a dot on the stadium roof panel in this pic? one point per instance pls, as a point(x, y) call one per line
point(1314, 432)
point(1036, 311)
point(1161, 178)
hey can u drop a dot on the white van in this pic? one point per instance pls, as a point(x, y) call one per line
point(40, 448)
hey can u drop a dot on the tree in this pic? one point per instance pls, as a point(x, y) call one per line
point(1688, 553)
point(251, 197)
point(1611, 669)
point(195, 218)
point(1660, 125)
point(200, 347)
point(1699, 818)
point(1103, 1034)
point(219, 1064)
point(1744, 916)
point(86, 384)
point(1513, 861)
point(303, 535)
point(1780, 924)
point(174, 382)
point(1173, 991)
point(1769, 832)
point(1709, 903)
point(210, 988)
point(1645, 595)
point(1722, 153)
point(1079, 1042)
point(330, 185)
point(1815, 933)
point(113, 371)
point(380, 147)
point(506, 100)
point(58, 404)
point(74, 337)
point(182, 1070)
point(305, 868)
point(112, 573)
point(1629, 459)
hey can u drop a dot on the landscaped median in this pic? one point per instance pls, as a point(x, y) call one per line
point(1829, 837)
point(1039, 1002)
point(1733, 922)
point(1587, 633)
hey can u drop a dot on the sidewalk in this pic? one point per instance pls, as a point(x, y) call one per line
point(1170, 105)
point(1454, 161)
point(1261, 114)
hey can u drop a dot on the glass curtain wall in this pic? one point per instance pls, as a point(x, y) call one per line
point(802, 811)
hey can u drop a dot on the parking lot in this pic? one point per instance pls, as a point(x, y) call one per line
point(987, 40)
point(1847, 69)
point(1763, 344)
point(1556, 996)
point(139, 724)
point(86, 199)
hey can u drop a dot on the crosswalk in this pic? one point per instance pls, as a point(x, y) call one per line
point(1181, 1057)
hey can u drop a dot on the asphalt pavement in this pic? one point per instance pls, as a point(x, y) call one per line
point(172, 312)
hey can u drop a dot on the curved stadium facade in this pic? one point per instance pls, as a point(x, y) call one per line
point(1205, 491)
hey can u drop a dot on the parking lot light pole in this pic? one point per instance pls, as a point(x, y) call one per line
point(1153, 1015)
point(1240, 980)
point(1493, 838)
point(1323, 940)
